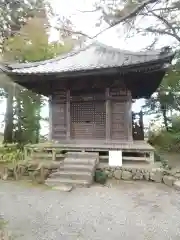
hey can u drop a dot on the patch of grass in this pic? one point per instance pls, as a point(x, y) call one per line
point(171, 158)
point(3, 224)
point(4, 232)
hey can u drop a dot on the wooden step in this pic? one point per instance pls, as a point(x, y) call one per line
point(89, 155)
point(140, 158)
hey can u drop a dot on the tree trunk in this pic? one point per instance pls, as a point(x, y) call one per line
point(19, 137)
point(164, 115)
point(8, 131)
point(38, 126)
point(165, 119)
point(163, 109)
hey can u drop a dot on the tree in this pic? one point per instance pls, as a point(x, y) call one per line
point(166, 101)
point(14, 14)
point(32, 44)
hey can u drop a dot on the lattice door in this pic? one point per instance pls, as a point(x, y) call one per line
point(88, 120)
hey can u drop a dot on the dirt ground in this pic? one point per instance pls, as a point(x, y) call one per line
point(128, 211)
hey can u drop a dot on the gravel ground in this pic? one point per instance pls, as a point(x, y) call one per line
point(142, 211)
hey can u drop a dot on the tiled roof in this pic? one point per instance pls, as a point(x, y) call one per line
point(93, 56)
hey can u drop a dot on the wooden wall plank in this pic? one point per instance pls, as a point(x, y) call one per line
point(68, 115)
point(50, 119)
point(118, 121)
point(108, 115)
point(59, 115)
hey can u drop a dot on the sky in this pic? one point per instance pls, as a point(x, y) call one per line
point(116, 36)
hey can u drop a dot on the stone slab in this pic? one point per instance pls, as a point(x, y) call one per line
point(138, 175)
point(117, 174)
point(177, 185)
point(126, 175)
point(169, 180)
point(156, 175)
point(63, 188)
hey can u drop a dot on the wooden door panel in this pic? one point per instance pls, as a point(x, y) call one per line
point(88, 120)
point(118, 121)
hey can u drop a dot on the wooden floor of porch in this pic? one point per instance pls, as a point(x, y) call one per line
point(131, 151)
point(75, 145)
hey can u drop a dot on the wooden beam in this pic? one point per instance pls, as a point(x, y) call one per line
point(108, 115)
point(68, 115)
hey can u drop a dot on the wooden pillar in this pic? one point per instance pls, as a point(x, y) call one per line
point(108, 115)
point(68, 117)
point(50, 119)
point(129, 116)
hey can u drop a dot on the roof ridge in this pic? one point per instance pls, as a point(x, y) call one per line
point(140, 53)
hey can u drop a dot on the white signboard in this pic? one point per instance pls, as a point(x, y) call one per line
point(115, 158)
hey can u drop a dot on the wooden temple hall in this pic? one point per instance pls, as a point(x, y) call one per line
point(91, 91)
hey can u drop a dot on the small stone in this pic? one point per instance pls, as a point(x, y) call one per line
point(5, 177)
point(117, 174)
point(177, 185)
point(177, 175)
point(51, 165)
point(126, 175)
point(110, 175)
point(169, 180)
point(106, 171)
point(10, 172)
point(146, 176)
point(134, 170)
point(5, 235)
point(63, 188)
point(156, 175)
point(22, 170)
point(46, 173)
point(138, 176)
point(33, 166)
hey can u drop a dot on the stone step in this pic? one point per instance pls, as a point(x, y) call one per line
point(80, 161)
point(73, 175)
point(74, 182)
point(90, 155)
point(77, 167)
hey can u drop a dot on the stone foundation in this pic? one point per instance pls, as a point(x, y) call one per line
point(158, 175)
point(35, 171)
point(40, 171)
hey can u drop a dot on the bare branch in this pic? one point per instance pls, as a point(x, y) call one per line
point(135, 11)
point(151, 46)
point(163, 20)
point(73, 32)
point(132, 14)
point(161, 32)
point(167, 9)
